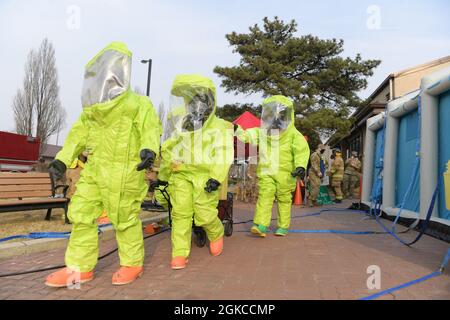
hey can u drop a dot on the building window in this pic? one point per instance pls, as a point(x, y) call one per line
point(355, 144)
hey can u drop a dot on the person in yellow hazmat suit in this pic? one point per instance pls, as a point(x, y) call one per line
point(121, 130)
point(196, 159)
point(283, 157)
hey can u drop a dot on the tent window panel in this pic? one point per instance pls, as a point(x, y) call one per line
point(444, 147)
point(408, 139)
point(378, 166)
point(412, 126)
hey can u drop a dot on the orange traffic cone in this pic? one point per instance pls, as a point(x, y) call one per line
point(298, 201)
point(149, 229)
point(152, 228)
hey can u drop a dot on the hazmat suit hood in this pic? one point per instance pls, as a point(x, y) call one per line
point(192, 103)
point(107, 75)
point(277, 115)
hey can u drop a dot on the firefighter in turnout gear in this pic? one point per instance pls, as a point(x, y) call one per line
point(352, 175)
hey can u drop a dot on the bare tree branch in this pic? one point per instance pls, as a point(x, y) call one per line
point(162, 112)
point(37, 107)
point(138, 90)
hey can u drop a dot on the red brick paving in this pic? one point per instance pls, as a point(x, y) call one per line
point(300, 266)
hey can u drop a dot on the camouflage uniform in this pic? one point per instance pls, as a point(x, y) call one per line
point(351, 176)
point(40, 167)
point(152, 175)
point(314, 178)
point(337, 175)
point(72, 177)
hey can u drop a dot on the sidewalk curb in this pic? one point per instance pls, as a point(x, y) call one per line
point(9, 250)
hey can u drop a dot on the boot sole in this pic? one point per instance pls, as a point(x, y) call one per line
point(127, 282)
point(280, 235)
point(180, 267)
point(53, 285)
point(216, 254)
point(257, 232)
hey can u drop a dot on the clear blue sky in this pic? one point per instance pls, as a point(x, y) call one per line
point(189, 36)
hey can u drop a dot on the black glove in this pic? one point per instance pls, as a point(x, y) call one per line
point(57, 168)
point(156, 184)
point(147, 157)
point(299, 172)
point(212, 185)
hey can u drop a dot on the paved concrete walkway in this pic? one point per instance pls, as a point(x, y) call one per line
point(299, 266)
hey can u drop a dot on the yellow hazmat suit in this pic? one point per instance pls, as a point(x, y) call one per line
point(199, 150)
point(281, 152)
point(115, 125)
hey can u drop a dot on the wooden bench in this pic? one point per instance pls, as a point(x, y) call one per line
point(31, 191)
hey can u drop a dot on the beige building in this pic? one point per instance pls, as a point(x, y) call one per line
point(394, 86)
point(49, 152)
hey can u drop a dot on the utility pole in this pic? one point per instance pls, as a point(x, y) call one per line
point(149, 74)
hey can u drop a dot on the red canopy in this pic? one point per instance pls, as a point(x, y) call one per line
point(247, 120)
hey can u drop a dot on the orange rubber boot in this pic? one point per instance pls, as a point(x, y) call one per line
point(103, 220)
point(126, 275)
point(179, 263)
point(216, 247)
point(68, 277)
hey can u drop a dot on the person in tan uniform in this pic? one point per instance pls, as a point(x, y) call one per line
point(41, 166)
point(315, 175)
point(150, 203)
point(336, 174)
point(352, 175)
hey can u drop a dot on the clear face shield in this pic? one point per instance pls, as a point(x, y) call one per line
point(189, 110)
point(275, 117)
point(106, 78)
